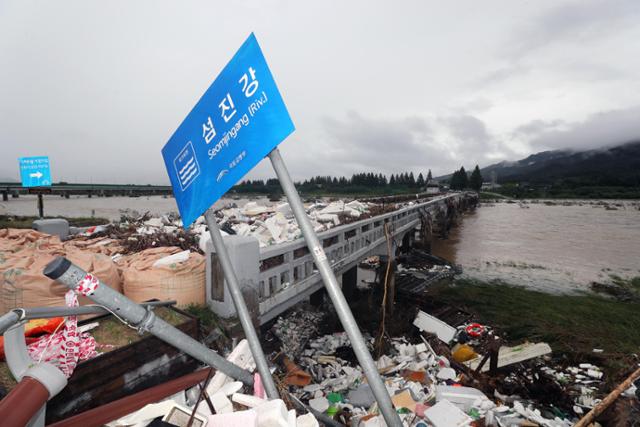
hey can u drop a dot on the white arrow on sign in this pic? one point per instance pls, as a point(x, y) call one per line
point(36, 175)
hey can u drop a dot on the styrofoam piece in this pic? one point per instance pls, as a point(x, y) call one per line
point(247, 400)
point(320, 404)
point(307, 420)
point(510, 355)
point(446, 414)
point(462, 397)
point(221, 403)
point(331, 218)
point(273, 413)
point(446, 374)
point(421, 348)
point(173, 259)
point(333, 208)
point(426, 322)
point(248, 418)
point(229, 388)
point(284, 209)
point(254, 209)
point(376, 421)
point(241, 356)
point(291, 419)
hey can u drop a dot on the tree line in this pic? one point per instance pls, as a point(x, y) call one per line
point(357, 182)
point(364, 182)
point(461, 181)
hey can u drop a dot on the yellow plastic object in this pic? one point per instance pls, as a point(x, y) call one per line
point(463, 352)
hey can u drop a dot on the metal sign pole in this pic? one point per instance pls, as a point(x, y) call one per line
point(335, 293)
point(83, 283)
point(40, 205)
point(241, 306)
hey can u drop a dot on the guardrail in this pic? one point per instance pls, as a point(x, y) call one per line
point(285, 273)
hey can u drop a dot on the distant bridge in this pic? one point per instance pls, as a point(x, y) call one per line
point(276, 277)
point(14, 189)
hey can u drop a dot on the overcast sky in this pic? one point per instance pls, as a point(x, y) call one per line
point(100, 86)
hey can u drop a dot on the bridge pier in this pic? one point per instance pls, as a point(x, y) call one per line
point(5, 196)
point(350, 283)
point(244, 253)
point(317, 298)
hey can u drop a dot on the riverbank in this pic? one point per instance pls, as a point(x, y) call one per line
point(574, 325)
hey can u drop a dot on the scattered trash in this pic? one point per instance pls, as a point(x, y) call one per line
point(446, 414)
point(432, 325)
point(510, 355)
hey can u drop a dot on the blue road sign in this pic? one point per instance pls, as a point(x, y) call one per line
point(236, 123)
point(35, 172)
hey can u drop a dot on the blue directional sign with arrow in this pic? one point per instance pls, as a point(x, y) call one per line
point(35, 172)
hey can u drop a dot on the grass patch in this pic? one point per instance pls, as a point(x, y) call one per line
point(572, 324)
point(15, 221)
point(208, 319)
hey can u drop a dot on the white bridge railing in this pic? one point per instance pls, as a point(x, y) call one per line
point(276, 277)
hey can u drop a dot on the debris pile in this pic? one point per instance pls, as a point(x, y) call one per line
point(270, 224)
point(276, 224)
point(222, 402)
point(438, 375)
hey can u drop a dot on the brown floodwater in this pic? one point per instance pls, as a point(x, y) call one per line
point(554, 248)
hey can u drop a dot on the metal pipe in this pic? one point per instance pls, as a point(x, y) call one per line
point(83, 283)
point(241, 306)
point(23, 403)
point(333, 289)
point(9, 319)
point(46, 312)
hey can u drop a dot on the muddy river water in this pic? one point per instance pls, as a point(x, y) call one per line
point(552, 247)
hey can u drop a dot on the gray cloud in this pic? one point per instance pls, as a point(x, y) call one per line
point(100, 87)
point(601, 129)
point(536, 127)
point(415, 144)
point(578, 21)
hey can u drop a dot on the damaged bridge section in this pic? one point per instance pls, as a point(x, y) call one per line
point(276, 277)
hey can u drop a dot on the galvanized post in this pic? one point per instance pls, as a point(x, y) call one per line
point(40, 205)
point(333, 289)
point(241, 306)
point(78, 280)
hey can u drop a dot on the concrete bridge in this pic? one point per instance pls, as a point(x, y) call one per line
point(14, 189)
point(276, 277)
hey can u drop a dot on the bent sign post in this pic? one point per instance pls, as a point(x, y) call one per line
point(238, 121)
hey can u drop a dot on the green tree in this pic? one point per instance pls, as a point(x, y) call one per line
point(455, 183)
point(429, 177)
point(420, 181)
point(464, 179)
point(475, 181)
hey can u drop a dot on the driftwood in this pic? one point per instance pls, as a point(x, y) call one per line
point(611, 397)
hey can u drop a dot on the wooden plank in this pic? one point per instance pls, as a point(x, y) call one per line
point(121, 372)
point(510, 355)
